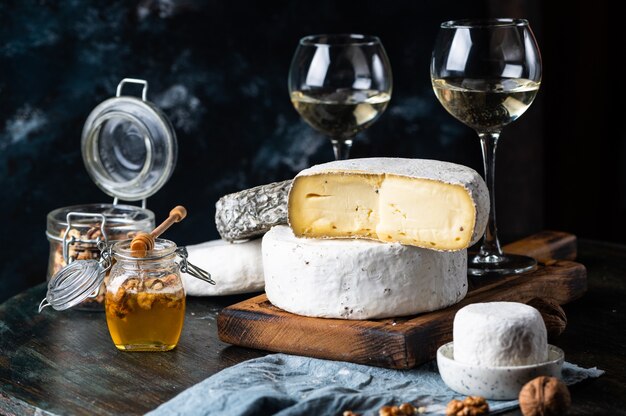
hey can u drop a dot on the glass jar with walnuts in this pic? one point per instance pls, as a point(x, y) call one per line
point(74, 233)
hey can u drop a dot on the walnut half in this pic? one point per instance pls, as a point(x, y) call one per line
point(470, 406)
point(405, 409)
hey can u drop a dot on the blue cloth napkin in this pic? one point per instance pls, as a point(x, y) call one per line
point(288, 385)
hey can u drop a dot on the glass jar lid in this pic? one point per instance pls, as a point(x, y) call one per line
point(73, 284)
point(129, 146)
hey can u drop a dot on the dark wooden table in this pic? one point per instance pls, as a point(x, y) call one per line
point(65, 363)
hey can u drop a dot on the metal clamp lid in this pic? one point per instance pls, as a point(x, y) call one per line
point(77, 281)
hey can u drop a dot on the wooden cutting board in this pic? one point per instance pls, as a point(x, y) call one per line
point(404, 342)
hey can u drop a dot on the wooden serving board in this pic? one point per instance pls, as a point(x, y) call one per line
point(404, 342)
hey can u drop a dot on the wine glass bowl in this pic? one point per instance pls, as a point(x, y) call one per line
point(486, 73)
point(340, 85)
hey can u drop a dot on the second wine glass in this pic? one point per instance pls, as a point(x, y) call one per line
point(486, 73)
point(340, 85)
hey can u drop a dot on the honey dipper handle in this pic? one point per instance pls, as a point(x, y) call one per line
point(177, 214)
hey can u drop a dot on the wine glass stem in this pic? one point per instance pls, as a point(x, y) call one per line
point(490, 245)
point(341, 147)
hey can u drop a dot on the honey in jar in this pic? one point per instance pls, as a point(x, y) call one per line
point(145, 298)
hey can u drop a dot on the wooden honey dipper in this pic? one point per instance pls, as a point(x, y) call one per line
point(144, 242)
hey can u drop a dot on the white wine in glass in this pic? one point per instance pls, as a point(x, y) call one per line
point(486, 73)
point(340, 85)
point(486, 105)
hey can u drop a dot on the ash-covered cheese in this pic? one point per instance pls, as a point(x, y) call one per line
point(235, 267)
point(424, 203)
point(252, 212)
point(497, 334)
point(359, 279)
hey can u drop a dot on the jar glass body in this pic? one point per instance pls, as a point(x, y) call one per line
point(145, 298)
point(122, 222)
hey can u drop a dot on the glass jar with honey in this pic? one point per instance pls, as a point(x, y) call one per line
point(145, 298)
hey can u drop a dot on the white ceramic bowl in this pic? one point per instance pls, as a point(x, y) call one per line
point(495, 383)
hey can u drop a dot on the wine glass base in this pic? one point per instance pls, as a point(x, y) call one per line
point(499, 265)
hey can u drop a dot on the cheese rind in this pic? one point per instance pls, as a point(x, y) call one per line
point(359, 279)
point(235, 267)
point(425, 203)
point(497, 334)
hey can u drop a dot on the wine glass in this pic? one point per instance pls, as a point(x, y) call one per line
point(486, 73)
point(340, 84)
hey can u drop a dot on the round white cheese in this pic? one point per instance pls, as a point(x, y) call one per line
point(358, 279)
point(235, 267)
point(497, 334)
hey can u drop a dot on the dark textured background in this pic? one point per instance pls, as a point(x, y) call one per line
point(219, 71)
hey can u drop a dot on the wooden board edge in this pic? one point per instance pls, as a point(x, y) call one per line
point(546, 245)
point(361, 343)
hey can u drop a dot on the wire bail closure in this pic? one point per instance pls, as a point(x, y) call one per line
point(69, 287)
point(105, 255)
point(191, 269)
point(73, 239)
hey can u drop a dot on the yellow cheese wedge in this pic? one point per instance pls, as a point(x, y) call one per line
point(423, 203)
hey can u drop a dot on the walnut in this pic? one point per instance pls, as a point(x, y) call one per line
point(408, 409)
point(385, 411)
point(552, 314)
point(145, 294)
point(405, 409)
point(71, 233)
point(174, 303)
point(132, 284)
point(471, 406)
point(86, 254)
point(93, 233)
point(118, 304)
point(118, 296)
point(350, 413)
point(170, 279)
point(544, 396)
point(158, 285)
point(145, 300)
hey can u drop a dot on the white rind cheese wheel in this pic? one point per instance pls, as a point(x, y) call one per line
point(235, 267)
point(424, 203)
point(498, 334)
point(358, 279)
